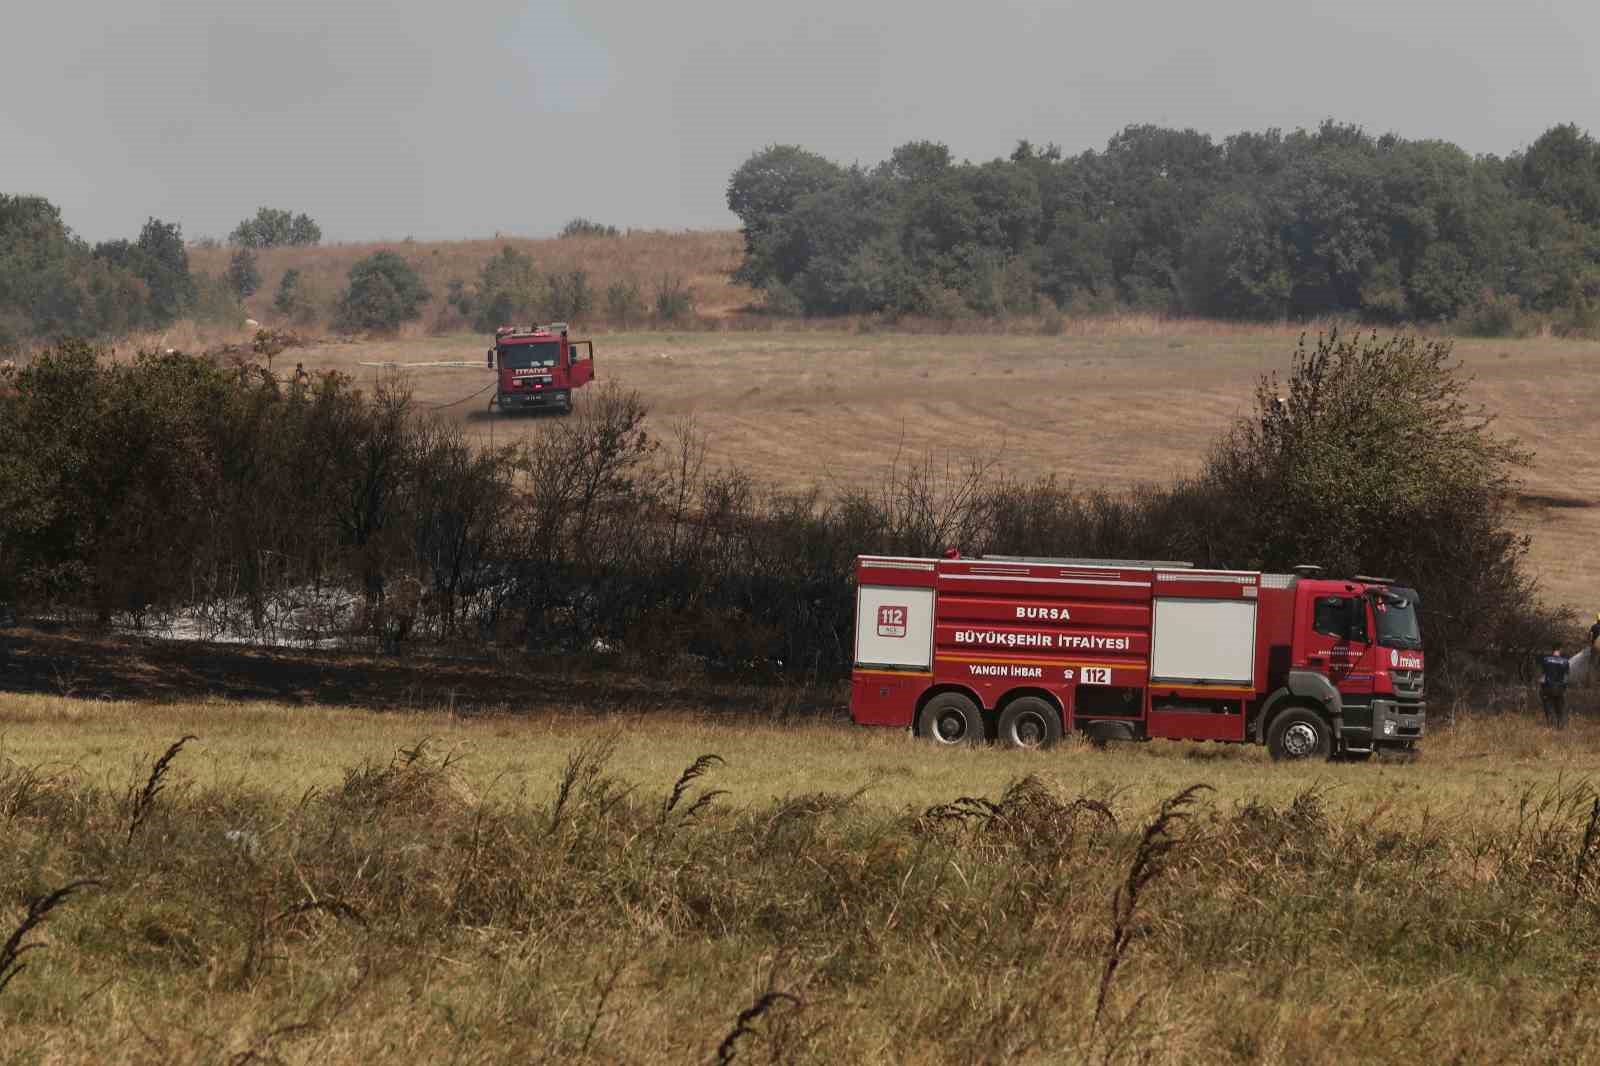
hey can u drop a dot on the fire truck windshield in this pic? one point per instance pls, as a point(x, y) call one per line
point(1396, 612)
point(527, 356)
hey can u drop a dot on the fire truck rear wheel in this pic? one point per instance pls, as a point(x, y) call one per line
point(1299, 733)
point(950, 720)
point(1029, 722)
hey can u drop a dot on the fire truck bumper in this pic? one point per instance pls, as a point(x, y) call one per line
point(1395, 723)
point(522, 401)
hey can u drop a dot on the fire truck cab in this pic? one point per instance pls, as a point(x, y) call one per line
point(1024, 651)
point(538, 367)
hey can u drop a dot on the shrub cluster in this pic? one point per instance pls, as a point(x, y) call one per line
point(173, 485)
point(1257, 226)
point(583, 227)
point(52, 282)
point(510, 288)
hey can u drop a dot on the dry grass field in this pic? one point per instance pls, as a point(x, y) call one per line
point(1108, 402)
point(316, 885)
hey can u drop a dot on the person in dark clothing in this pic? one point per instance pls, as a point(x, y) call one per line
point(1594, 651)
point(1553, 688)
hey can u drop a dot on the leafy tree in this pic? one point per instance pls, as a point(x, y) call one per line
point(216, 300)
point(674, 299)
point(293, 298)
point(764, 189)
point(1374, 441)
point(275, 228)
point(1376, 463)
point(383, 292)
point(1235, 265)
point(510, 289)
point(919, 161)
point(570, 295)
point(160, 259)
point(817, 242)
point(624, 302)
point(243, 274)
point(1562, 169)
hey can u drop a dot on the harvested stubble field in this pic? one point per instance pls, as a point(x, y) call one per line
point(321, 885)
point(1108, 402)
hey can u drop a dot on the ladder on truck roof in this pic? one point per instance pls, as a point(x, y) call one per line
point(1142, 564)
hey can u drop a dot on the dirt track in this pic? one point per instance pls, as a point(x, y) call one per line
point(1102, 405)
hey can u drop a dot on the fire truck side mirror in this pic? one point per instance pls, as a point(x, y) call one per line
point(488, 360)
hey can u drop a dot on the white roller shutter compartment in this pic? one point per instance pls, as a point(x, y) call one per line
point(1204, 640)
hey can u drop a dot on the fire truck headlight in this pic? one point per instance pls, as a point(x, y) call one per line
point(1388, 728)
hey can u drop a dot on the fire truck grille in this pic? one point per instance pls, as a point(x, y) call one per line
point(1407, 685)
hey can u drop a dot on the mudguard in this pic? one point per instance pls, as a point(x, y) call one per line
point(1303, 686)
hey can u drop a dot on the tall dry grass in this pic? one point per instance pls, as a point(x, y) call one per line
point(605, 910)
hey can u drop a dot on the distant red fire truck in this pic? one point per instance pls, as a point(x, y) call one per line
point(538, 367)
point(1025, 650)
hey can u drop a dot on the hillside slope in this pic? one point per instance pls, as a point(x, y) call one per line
point(701, 259)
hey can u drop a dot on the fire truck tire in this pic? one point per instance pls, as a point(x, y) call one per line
point(950, 720)
point(1029, 722)
point(1299, 733)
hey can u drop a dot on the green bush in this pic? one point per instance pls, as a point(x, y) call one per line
point(295, 298)
point(624, 302)
point(583, 227)
point(569, 295)
point(1494, 315)
point(779, 299)
point(674, 299)
point(243, 273)
point(510, 289)
point(1052, 323)
point(384, 292)
point(216, 302)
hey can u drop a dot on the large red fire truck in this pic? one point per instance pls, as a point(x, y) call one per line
point(1023, 650)
point(538, 367)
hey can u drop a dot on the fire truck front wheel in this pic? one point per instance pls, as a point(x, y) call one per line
point(950, 720)
point(1299, 733)
point(1029, 722)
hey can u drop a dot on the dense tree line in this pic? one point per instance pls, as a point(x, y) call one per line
point(170, 485)
point(55, 284)
point(1256, 226)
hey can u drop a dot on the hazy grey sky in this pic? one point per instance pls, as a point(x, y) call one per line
point(439, 119)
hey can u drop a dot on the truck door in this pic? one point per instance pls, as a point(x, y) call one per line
point(582, 355)
point(1337, 640)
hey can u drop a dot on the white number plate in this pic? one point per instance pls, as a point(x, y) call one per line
point(1095, 675)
